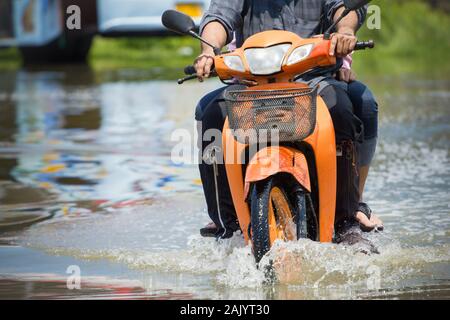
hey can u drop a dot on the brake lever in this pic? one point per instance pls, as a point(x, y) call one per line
point(183, 80)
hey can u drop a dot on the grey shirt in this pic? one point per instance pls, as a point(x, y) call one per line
point(247, 17)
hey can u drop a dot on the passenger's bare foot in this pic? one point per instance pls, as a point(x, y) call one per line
point(367, 220)
point(374, 218)
point(369, 224)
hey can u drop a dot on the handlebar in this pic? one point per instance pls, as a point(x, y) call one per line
point(183, 80)
point(191, 73)
point(363, 45)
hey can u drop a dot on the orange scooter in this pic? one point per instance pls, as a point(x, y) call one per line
point(278, 139)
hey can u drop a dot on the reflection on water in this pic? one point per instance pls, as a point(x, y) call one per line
point(67, 139)
point(85, 161)
point(47, 286)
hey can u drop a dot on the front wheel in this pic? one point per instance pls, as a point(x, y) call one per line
point(280, 210)
point(272, 216)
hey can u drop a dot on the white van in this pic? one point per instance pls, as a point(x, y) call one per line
point(44, 30)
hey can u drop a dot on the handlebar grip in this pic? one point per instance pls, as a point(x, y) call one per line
point(192, 74)
point(190, 70)
point(363, 45)
point(183, 80)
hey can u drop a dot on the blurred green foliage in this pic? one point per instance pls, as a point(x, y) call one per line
point(9, 58)
point(413, 39)
point(162, 52)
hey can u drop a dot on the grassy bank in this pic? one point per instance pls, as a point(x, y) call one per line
point(143, 53)
point(164, 52)
point(413, 39)
point(9, 59)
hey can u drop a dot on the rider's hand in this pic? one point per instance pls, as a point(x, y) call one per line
point(203, 65)
point(346, 75)
point(342, 44)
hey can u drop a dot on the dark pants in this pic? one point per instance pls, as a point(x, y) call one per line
point(365, 108)
point(348, 127)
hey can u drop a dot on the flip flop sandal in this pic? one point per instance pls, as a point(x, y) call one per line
point(209, 232)
point(364, 208)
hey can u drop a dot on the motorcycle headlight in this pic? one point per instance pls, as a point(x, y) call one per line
point(263, 61)
point(300, 53)
point(234, 63)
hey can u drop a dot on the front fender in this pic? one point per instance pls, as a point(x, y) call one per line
point(272, 160)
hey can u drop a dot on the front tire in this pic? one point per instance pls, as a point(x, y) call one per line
point(272, 216)
point(281, 209)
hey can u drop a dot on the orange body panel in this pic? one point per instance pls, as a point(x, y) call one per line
point(322, 141)
point(323, 144)
point(272, 160)
point(292, 161)
point(233, 151)
point(318, 57)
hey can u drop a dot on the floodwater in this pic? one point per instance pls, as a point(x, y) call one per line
point(87, 187)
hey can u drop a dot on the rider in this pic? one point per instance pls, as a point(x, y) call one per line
point(306, 18)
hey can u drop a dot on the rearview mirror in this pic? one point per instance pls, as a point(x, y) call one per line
point(177, 22)
point(355, 4)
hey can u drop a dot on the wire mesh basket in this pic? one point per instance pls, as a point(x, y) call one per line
point(263, 116)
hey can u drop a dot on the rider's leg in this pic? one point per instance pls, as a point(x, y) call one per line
point(205, 102)
point(366, 108)
point(211, 117)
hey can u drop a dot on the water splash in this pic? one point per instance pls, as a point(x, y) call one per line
point(302, 264)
